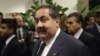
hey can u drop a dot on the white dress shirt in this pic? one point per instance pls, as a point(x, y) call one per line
point(20, 31)
point(9, 39)
point(50, 43)
point(98, 27)
point(78, 33)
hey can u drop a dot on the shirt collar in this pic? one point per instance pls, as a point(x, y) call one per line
point(78, 33)
point(51, 41)
point(9, 39)
point(98, 27)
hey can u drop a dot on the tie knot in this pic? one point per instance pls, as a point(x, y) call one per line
point(42, 45)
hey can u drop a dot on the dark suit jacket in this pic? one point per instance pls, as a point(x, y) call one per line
point(65, 45)
point(2, 41)
point(26, 45)
point(93, 30)
point(13, 49)
point(89, 40)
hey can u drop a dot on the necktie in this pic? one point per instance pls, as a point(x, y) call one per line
point(41, 49)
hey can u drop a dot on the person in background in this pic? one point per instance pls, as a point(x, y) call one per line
point(2, 40)
point(23, 34)
point(73, 24)
point(53, 41)
point(95, 30)
point(11, 46)
point(1, 17)
point(90, 20)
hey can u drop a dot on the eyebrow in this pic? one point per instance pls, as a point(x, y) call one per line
point(42, 17)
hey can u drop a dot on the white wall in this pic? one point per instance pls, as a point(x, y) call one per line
point(11, 6)
point(70, 4)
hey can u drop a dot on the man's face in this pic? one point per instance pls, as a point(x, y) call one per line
point(1, 17)
point(71, 25)
point(91, 21)
point(4, 30)
point(19, 20)
point(45, 26)
point(97, 19)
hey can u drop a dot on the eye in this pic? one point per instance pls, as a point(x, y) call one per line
point(36, 21)
point(43, 19)
point(70, 23)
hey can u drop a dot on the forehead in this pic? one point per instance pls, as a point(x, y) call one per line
point(42, 12)
point(71, 19)
point(18, 17)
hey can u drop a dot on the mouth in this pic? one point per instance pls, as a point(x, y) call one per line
point(41, 30)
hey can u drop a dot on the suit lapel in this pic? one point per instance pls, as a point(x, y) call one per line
point(56, 47)
point(35, 47)
point(11, 43)
point(96, 30)
point(7, 47)
point(82, 36)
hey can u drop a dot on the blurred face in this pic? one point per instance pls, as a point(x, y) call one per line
point(97, 19)
point(19, 19)
point(91, 21)
point(4, 30)
point(45, 26)
point(1, 17)
point(71, 25)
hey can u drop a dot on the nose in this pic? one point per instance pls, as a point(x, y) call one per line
point(39, 24)
point(67, 25)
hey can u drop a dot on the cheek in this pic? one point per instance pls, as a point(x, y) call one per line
point(72, 27)
point(36, 27)
point(3, 32)
point(51, 27)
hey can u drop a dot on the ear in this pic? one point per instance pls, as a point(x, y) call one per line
point(57, 22)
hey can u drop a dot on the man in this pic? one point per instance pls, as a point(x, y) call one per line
point(20, 20)
point(73, 24)
point(95, 30)
point(11, 46)
point(1, 16)
point(23, 34)
point(2, 40)
point(90, 20)
point(57, 42)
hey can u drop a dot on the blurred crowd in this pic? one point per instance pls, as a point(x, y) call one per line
point(16, 39)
